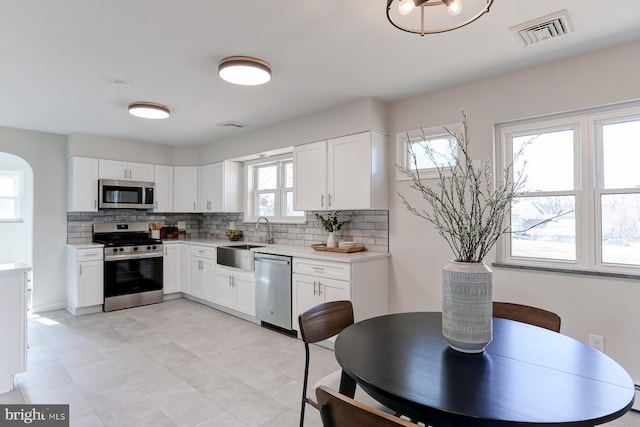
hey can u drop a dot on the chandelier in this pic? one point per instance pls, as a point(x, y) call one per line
point(429, 16)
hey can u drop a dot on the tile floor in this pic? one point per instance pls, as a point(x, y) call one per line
point(178, 363)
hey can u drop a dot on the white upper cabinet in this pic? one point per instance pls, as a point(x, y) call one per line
point(219, 187)
point(349, 172)
point(185, 188)
point(82, 184)
point(163, 177)
point(116, 169)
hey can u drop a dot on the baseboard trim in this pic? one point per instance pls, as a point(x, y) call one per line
point(50, 307)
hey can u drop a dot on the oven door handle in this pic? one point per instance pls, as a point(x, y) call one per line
point(114, 257)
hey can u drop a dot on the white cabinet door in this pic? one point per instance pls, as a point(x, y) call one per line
point(185, 188)
point(82, 184)
point(209, 278)
point(219, 187)
point(163, 177)
point(196, 284)
point(117, 169)
point(141, 172)
point(306, 291)
point(174, 267)
point(224, 289)
point(310, 176)
point(90, 279)
point(245, 293)
point(113, 169)
point(349, 172)
point(333, 290)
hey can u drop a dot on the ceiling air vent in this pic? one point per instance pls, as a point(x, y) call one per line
point(544, 28)
point(232, 125)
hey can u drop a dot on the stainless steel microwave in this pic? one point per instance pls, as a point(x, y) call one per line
point(125, 194)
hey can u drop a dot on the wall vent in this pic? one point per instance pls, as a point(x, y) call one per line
point(232, 125)
point(545, 28)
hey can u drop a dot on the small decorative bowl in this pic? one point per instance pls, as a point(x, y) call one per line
point(234, 235)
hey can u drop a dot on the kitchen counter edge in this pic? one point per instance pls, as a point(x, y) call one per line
point(294, 251)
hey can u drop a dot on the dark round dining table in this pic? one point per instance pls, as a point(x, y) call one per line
point(526, 376)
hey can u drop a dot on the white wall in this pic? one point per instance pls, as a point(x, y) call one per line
point(587, 304)
point(46, 153)
point(359, 116)
point(17, 238)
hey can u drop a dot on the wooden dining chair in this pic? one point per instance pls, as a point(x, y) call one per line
point(527, 314)
point(338, 410)
point(318, 324)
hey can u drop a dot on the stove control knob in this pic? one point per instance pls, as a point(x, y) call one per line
point(148, 248)
point(135, 248)
point(115, 249)
point(153, 247)
point(121, 249)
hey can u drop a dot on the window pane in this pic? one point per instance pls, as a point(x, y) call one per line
point(555, 239)
point(7, 209)
point(288, 208)
point(546, 160)
point(267, 177)
point(266, 204)
point(444, 149)
point(621, 151)
point(620, 228)
point(8, 185)
point(288, 175)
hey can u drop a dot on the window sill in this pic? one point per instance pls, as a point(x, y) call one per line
point(566, 271)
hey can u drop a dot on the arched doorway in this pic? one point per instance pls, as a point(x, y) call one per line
point(16, 211)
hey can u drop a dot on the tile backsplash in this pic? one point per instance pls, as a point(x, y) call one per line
point(368, 227)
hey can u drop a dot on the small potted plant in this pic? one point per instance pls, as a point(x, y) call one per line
point(330, 224)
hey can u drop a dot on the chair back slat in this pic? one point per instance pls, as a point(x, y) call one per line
point(337, 410)
point(325, 320)
point(527, 314)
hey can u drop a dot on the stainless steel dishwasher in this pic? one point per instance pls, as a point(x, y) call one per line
point(273, 291)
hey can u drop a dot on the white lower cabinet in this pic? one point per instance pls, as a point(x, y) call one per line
point(235, 289)
point(85, 278)
point(364, 283)
point(203, 268)
point(13, 318)
point(174, 268)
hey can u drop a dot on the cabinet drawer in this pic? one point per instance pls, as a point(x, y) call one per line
point(314, 267)
point(203, 252)
point(89, 254)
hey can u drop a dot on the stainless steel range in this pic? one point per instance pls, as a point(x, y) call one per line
point(132, 265)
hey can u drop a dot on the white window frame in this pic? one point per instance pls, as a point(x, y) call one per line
point(402, 147)
point(18, 198)
point(250, 214)
point(588, 185)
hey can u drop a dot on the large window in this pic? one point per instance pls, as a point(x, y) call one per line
point(582, 187)
point(11, 195)
point(270, 190)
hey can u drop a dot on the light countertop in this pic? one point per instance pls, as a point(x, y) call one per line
point(288, 250)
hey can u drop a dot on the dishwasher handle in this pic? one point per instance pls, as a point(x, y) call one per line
point(272, 261)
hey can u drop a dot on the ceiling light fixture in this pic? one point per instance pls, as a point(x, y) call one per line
point(244, 70)
point(149, 110)
point(404, 18)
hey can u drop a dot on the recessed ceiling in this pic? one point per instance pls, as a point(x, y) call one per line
point(59, 59)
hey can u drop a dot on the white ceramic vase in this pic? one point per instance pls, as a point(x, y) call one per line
point(331, 241)
point(467, 306)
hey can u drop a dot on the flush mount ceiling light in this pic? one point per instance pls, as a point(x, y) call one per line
point(427, 17)
point(149, 110)
point(244, 70)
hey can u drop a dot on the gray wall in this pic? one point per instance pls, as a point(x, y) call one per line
point(46, 154)
point(587, 304)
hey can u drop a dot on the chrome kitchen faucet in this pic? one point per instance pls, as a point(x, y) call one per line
point(269, 237)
